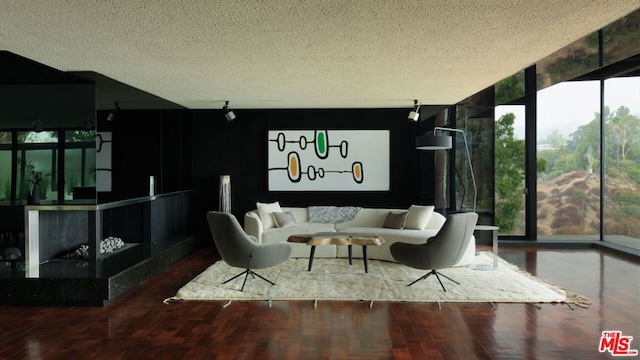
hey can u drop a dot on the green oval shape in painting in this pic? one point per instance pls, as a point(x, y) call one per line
point(321, 144)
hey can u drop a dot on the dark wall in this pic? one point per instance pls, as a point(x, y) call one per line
point(31, 91)
point(238, 148)
point(145, 143)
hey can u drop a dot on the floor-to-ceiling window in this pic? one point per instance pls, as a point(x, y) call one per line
point(510, 215)
point(622, 161)
point(568, 151)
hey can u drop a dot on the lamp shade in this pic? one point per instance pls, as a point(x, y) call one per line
point(230, 115)
point(434, 142)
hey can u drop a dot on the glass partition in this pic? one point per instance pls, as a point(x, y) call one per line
point(80, 165)
point(5, 165)
point(37, 164)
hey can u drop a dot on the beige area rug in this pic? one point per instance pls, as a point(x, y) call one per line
point(334, 279)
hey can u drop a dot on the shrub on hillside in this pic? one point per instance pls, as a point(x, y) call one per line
point(626, 196)
point(555, 201)
point(542, 215)
point(581, 185)
point(566, 216)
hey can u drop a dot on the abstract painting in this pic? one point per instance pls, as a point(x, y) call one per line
point(328, 160)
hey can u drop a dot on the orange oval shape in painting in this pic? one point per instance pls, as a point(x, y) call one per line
point(294, 167)
point(358, 173)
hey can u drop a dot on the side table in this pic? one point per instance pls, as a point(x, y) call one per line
point(494, 230)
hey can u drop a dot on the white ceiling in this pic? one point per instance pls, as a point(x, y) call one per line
point(301, 53)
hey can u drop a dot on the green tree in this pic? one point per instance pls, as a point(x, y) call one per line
point(583, 145)
point(625, 131)
point(555, 139)
point(509, 163)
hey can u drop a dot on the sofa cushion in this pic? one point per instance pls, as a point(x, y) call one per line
point(418, 217)
point(395, 220)
point(367, 217)
point(284, 220)
point(265, 211)
point(332, 214)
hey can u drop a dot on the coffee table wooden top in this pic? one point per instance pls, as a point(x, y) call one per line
point(336, 238)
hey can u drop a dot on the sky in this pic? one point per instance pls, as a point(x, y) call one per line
point(567, 105)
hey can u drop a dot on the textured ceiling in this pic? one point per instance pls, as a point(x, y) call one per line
point(301, 53)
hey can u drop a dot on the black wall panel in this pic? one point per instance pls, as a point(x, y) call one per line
point(145, 143)
point(190, 149)
point(238, 148)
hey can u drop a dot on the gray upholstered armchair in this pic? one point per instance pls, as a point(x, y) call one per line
point(240, 250)
point(440, 251)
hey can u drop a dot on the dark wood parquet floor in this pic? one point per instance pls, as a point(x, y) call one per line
point(139, 326)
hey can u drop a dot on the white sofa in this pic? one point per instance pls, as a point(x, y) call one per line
point(367, 221)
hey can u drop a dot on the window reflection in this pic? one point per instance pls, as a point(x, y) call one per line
point(576, 59)
point(621, 39)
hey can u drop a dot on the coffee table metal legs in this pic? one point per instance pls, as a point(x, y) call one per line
point(313, 251)
point(364, 257)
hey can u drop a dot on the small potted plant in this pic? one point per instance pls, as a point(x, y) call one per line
point(35, 177)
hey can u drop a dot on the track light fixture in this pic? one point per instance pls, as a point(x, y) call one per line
point(114, 114)
point(415, 113)
point(228, 113)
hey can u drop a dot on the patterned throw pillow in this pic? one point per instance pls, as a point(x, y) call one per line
point(395, 220)
point(265, 210)
point(332, 214)
point(285, 220)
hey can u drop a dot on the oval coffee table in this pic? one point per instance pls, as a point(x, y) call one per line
point(337, 238)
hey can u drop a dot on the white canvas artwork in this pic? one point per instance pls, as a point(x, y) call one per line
point(328, 160)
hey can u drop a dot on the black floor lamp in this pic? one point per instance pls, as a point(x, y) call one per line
point(437, 141)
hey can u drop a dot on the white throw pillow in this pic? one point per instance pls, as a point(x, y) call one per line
point(265, 211)
point(418, 216)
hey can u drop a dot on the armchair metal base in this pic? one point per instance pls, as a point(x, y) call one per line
point(436, 273)
point(246, 274)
